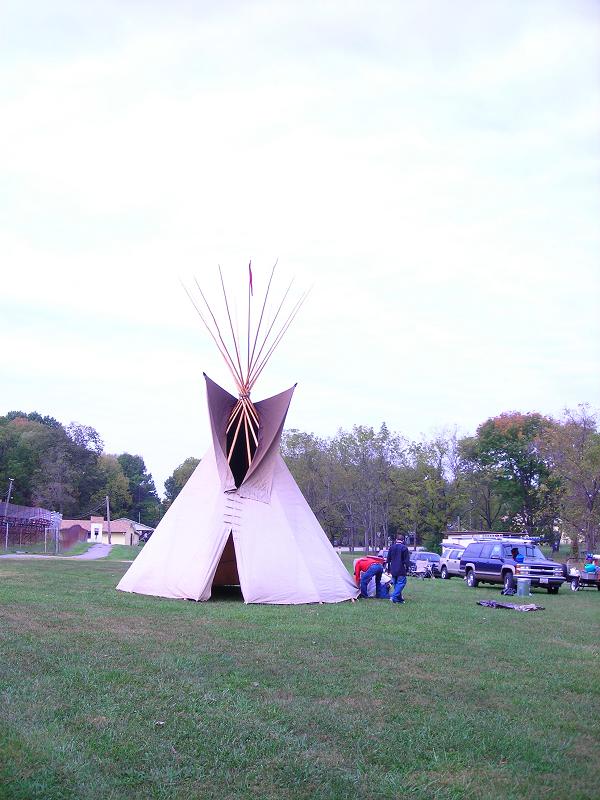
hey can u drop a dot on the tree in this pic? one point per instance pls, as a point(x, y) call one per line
point(572, 445)
point(85, 437)
point(64, 469)
point(175, 483)
point(145, 505)
point(365, 481)
point(115, 484)
point(52, 466)
point(426, 499)
point(507, 448)
point(485, 507)
point(33, 416)
point(55, 482)
point(318, 474)
point(19, 455)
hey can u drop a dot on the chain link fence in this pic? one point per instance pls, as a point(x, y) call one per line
point(25, 527)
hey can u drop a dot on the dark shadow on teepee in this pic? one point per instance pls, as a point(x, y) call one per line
point(241, 449)
point(226, 583)
point(226, 593)
point(227, 571)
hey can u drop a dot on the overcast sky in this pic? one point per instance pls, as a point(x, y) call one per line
point(430, 168)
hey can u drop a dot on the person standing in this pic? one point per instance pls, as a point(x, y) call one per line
point(398, 562)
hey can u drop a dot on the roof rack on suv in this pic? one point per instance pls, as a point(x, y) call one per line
point(464, 538)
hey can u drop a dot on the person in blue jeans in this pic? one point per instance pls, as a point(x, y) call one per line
point(398, 562)
point(374, 571)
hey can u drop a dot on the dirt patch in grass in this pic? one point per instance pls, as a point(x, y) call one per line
point(472, 778)
point(24, 622)
point(587, 746)
point(7, 573)
point(283, 696)
point(361, 703)
point(98, 722)
point(325, 754)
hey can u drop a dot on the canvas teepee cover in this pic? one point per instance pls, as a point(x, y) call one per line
point(248, 526)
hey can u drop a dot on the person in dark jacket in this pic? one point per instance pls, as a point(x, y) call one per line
point(398, 562)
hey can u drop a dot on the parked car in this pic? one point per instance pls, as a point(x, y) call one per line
point(421, 555)
point(493, 562)
point(450, 563)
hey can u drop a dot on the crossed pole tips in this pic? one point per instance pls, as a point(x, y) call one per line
point(260, 346)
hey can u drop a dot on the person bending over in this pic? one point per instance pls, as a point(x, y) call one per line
point(367, 568)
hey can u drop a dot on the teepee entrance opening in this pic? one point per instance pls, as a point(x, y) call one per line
point(227, 571)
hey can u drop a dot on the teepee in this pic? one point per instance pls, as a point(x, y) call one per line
point(241, 518)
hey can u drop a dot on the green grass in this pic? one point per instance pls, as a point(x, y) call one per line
point(109, 695)
point(123, 552)
point(37, 547)
point(78, 549)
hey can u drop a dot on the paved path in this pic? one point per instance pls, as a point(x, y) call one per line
point(95, 551)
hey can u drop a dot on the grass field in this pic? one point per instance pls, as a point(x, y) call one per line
point(109, 695)
point(123, 552)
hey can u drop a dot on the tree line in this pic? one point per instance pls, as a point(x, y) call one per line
point(518, 472)
point(65, 469)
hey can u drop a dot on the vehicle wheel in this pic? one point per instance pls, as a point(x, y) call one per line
point(509, 582)
point(445, 576)
point(471, 579)
point(553, 589)
point(574, 584)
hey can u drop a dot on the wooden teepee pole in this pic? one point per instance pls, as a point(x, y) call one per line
point(235, 436)
point(255, 359)
point(221, 347)
point(278, 338)
point(249, 454)
point(261, 317)
point(235, 343)
point(233, 415)
point(251, 414)
point(249, 298)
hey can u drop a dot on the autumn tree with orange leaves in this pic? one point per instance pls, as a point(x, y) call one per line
point(506, 451)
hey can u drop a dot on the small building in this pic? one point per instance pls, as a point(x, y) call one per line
point(144, 532)
point(122, 531)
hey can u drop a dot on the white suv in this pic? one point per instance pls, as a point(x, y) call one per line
point(450, 563)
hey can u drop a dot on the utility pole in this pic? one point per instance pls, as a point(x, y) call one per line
point(108, 518)
point(10, 485)
point(55, 520)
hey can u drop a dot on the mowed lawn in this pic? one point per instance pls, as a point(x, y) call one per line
point(109, 695)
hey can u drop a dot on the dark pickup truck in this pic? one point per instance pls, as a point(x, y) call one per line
point(495, 562)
